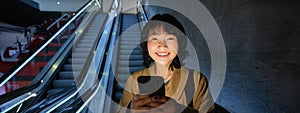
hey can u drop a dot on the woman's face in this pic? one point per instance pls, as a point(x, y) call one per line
point(162, 47)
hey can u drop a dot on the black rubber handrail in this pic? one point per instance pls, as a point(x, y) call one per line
point(6, 97)
point(57, 59)
point(8, 75)
point(79, 83)
point(104, 66)
point(80, 101)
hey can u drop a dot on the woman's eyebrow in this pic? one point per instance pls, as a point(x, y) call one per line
point(155, 33)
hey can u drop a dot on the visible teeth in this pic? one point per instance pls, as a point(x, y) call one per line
point(162, 54)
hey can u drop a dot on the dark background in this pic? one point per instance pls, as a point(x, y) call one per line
point(262, 41)
point(20, 14)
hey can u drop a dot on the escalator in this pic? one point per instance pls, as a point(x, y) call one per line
point(77, 59)
point(74, 65)
point(129, 59)
point(66, 76)
point(129, 54)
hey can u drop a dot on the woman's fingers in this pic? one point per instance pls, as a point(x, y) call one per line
point(155, 101)
point(164, 104)
point(156, 104)
point(141, 102)
point(161, 99)
point(139, 96)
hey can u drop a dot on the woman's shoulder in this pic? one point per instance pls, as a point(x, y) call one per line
point(197, 74)
point(138, 73)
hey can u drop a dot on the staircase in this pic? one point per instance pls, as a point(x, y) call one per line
point(130, 57)
point(74, 64)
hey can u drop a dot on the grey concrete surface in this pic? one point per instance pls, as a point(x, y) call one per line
point(263, 53)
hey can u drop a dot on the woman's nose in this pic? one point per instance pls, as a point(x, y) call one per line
point(162, 44)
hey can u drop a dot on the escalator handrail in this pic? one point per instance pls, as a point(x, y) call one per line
point(100, 53)
point(10, 28)
point(67, 51)
point(57, 21)
point(141, 9)
point(103, 84)
point(46, 102)
point(17, 94)
point(86, 66)
point(79, 88)
point(91, 91)
point(7, 76)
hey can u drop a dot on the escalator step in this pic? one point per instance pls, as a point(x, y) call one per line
point(54, 91)
point(129, 46)
point(118, 95)
point(130, 57)
point(130, 39)
point(76, 60)
point(63, 83)
point(131, 35)
point(80, 55)
point(122, 77)
point(91, 34)
point(88, 37)
point(84, 45)
point(91, 30)
point(132, 52)
point(120, 86)
point(86, 41)
point(131, 63)
point(68, 74)
point(129, 69)
point(129, 30)
point(126, 57)
point(75, 67)
point(129, 43)
point(81, 50)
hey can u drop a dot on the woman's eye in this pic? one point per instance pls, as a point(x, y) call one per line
point(170, 38)
point(154, 39)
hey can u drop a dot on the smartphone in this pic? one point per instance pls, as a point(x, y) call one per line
point(151, 85)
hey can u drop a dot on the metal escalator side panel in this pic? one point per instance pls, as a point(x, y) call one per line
point(129, 55)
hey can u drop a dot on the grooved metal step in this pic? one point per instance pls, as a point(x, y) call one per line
point(68, 74)
point(130, 58)
point(137, 62)
point(74, 64)
point(63, 83)
point(76, 60)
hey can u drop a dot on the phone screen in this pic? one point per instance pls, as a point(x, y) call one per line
point(151, 85)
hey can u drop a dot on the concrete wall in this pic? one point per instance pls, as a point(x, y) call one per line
point(262, 48)
point(129, 6)
point(106, 5)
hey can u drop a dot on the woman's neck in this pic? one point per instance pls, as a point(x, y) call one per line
point(163, 70)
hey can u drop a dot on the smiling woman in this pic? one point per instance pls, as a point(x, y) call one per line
point(163, 48)
point(168, 31)
point(186, 90)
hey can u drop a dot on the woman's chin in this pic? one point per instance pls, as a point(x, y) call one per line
point(163, 63)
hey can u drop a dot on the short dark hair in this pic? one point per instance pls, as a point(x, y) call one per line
point(169, 24)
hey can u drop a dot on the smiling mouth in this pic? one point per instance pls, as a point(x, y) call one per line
point(162, 54)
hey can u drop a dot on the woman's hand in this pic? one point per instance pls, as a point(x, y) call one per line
point(140, 103)
point(156, 104)
point(163, 105)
